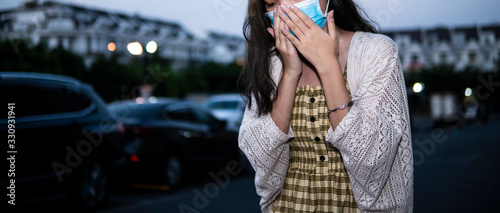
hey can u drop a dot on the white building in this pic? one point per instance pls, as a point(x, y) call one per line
point(92, 33)
point(477, 46)
point(227, 48)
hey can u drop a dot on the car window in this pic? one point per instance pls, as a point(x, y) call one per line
point(79, 101)
point(183, 114)
point(138, 111)
point(36, 100)
point(202, 116)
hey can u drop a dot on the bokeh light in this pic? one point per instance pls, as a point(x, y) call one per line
point(112, 46)
point(151, 47)
point(418, 87)
point(139, 100)
point(468, 92)
point(240, 61)
point(134, 48)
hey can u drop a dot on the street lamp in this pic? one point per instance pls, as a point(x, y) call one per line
point(135, 48)
point(151, 47)
point(111, 46)
point(418, 87)
point(468, 92)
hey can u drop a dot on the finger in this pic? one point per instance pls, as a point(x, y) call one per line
point(277, 27)
point(307, 21)
point(293, 22)
point(331, 24)
point(270, 30)
point(289, 37)
point(281, 38)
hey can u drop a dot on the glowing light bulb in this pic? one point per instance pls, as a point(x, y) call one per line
point(151, 47)
point(134, 48)
point(468, 92)
point(112, 46)
point(418, 87)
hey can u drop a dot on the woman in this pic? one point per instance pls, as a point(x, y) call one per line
point(326, 127)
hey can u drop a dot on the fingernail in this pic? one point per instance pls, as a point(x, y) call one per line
point(291, 6)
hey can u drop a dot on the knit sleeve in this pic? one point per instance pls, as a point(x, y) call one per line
point(374, 138)
point(266, 147)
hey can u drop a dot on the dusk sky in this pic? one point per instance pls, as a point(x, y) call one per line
point(227, 16)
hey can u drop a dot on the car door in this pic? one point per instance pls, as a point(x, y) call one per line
point(45, 131)
point(190, 133)
point(218, 144)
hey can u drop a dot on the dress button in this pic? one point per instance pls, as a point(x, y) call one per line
point(322, 158)
point(317, 139)
point(313, 119)
point(312, 100)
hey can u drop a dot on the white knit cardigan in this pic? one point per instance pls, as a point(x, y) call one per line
point(374, 138)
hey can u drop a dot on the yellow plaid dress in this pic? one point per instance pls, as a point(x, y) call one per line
point(316, 180)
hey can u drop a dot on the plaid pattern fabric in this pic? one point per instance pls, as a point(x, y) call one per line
point(316, 180)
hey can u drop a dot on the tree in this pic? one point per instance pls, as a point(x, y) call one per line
point(113, 80)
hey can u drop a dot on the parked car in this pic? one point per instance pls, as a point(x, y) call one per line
point(228, 107)
point(168, 138)
point(65, 143)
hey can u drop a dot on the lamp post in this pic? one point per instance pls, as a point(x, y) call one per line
point(135, 48)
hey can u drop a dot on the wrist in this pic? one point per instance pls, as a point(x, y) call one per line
point(329, 68)
point(292, 75)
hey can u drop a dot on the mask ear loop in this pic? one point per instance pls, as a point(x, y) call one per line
point(327, 4)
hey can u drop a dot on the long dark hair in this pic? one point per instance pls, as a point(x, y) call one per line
point(255, 79)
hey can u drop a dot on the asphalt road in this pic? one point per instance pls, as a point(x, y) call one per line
point(459, 170)
point(456, 170)
point(205, 194)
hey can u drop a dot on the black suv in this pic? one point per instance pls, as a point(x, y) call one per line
point(61, 140)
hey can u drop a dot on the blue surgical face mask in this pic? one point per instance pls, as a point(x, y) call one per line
point(311, 8)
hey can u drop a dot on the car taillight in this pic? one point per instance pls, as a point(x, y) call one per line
point(134, 158)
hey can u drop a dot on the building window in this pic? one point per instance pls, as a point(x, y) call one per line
point(44, 40)
point(89, 45)
point(472, 57)
point(488, 42)
point(414, 59)
point(71, 43)
point(414, 65)
point(443, 58)
point(60, 44)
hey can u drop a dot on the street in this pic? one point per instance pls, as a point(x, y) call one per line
point(462, 173)
point(200, 196)
point(456, 170)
